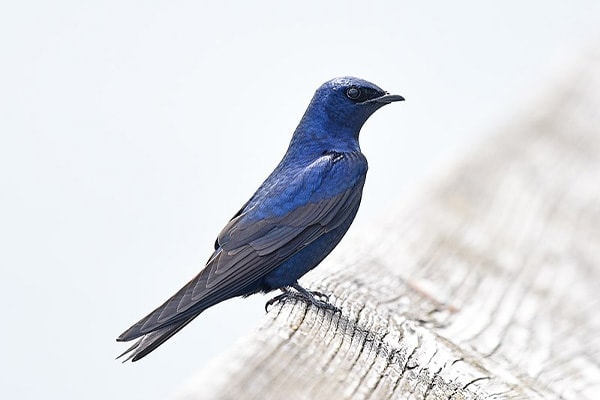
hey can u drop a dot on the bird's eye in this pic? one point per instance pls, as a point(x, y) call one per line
point(353, 93)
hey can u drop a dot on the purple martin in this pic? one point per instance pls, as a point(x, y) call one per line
point(293, 221)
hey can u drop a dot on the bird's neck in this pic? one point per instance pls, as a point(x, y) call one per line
point(317, 133)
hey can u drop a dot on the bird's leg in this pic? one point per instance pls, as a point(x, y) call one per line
point(310, 297)
point(304, 295)
point(322, 295)
point(285, 293)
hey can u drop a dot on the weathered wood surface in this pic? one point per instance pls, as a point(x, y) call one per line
point(485, 286)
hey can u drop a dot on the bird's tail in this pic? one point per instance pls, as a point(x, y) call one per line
point(149, 342)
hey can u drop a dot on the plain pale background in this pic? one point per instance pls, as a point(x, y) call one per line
point(132, 131)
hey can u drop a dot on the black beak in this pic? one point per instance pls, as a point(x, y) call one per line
point(388, 98)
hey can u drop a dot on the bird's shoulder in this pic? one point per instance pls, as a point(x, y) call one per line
point(324, 184)
point(328, 175)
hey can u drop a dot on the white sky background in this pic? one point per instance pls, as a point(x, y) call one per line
point(130, 132)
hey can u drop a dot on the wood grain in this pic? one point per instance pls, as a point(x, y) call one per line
point(485, 286)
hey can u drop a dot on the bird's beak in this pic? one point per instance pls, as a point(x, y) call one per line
point(387, 98)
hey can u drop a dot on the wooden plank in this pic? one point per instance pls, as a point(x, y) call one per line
point(485, 286)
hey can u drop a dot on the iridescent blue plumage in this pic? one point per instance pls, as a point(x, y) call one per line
point(292, 222)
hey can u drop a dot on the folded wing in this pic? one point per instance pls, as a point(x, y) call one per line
point(248, 249)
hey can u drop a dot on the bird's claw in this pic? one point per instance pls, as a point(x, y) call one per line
point(324, 296)
point(326, 306)
point(308, 296)
point(276, 299)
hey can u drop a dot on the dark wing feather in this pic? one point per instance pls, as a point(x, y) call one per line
point(149, 342)
point(250, 249)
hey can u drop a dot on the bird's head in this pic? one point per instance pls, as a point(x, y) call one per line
point(341, 106)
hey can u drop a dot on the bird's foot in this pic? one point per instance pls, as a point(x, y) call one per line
point(323, 296)
point(308, 296)
point(286, 293)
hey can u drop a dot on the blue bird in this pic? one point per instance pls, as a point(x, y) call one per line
point(293, 221)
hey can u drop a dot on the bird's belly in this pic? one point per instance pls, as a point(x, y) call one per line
point(305, 260)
